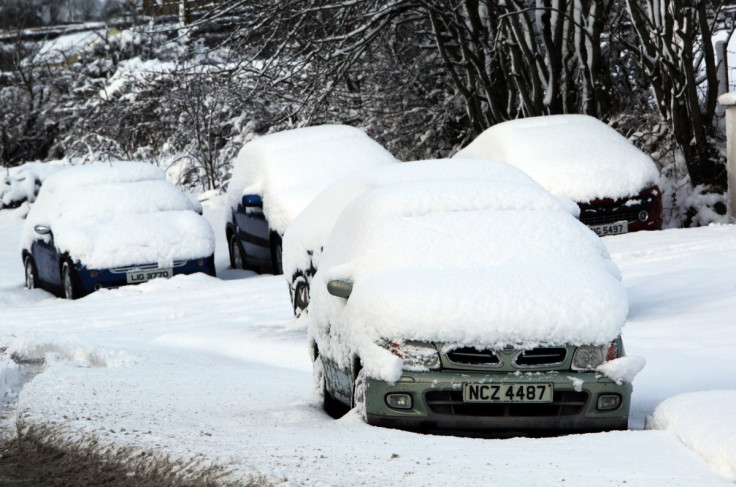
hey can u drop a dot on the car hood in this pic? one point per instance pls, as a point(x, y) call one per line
point(128, 239)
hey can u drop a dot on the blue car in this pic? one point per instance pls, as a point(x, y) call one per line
point(109, 225)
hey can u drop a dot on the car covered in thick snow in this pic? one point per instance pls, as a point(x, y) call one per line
point(107, 225)
point(470, 304)
point(305, 238)
point(276, 176)
point(583, 159)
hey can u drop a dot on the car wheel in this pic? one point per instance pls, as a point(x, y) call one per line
point(67, 281)
point(359, 395)
point(237, 256)
point(301, 297)
point(31, 278)
point(276, 255)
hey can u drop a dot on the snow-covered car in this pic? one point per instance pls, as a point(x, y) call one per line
point(583, 159)
point(108, 225)
point(470, 305)
point(304, 240)
point(21, 184)
point(276, 176)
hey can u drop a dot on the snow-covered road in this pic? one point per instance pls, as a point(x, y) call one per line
point(208, 373)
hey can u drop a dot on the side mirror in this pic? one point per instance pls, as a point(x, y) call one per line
point(252, 201)
point(340, 288)
point(42, 229)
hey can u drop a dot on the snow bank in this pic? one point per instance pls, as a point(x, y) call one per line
point(623, 369)
point(22, 183)
point(483, 263)
point(573, 156)
point(705, 422)
point(288, 169)
point(109, 215)
point(307, 234)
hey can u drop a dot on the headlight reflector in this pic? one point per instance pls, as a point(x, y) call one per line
point(588, 357)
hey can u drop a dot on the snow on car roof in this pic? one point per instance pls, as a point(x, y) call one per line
point(288, 169)
point(124, 213)
point(516, 269)
point(573, 156)
point(307, 234)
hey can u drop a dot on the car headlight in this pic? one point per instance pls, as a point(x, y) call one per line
point(588, 357)
point(417, 356)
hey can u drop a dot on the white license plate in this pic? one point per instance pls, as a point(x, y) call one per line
point(507, 392)
point(611, 228)
point(134, 277)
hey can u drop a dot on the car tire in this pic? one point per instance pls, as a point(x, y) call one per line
point(301, 296)
point(359, 395)
point(237, 255)
point(31, 276)
point(331, 406)
point(277, 255)
point(68, 285)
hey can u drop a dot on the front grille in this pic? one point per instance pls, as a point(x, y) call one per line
point(615, 211)
point(471, 357)
point(564, 403)
point(540, 357)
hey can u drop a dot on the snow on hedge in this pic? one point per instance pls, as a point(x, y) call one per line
point(305, 237)
point(288, 169)
point(704, 421)
point(482, 263)
point(109, 215)
point(22, 183)
point(573, 156)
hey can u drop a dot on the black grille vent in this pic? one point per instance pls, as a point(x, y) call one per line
point(474, 358)
point(541, 357)
point(603, 213)
point(564, 403)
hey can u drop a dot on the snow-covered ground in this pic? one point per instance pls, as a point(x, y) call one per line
point(209, 372)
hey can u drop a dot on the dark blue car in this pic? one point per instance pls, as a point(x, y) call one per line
point(105, 226)
point(252, 243)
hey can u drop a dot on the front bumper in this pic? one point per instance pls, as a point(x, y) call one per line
point(437, 403)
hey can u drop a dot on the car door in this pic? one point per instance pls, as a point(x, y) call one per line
point(46, 258)
point(253, 229)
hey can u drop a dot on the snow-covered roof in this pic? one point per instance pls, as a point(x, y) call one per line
point(305, 237)
point(115, 214)
point(573, 156)
point(511, 267)
point(288, 169)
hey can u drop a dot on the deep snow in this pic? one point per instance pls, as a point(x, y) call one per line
point(210, 372)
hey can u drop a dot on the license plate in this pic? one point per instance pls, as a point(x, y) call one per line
point(134, 277)
point(507, 392)
point(611, 229)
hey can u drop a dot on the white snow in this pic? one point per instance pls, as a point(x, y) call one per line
point(704, 421)
point(21, 183)
point(110, 215)
point(572, 156)
point(199, 372)
point(289, 169)
point(479, 262)
point(307, 234)
point(623, 369)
